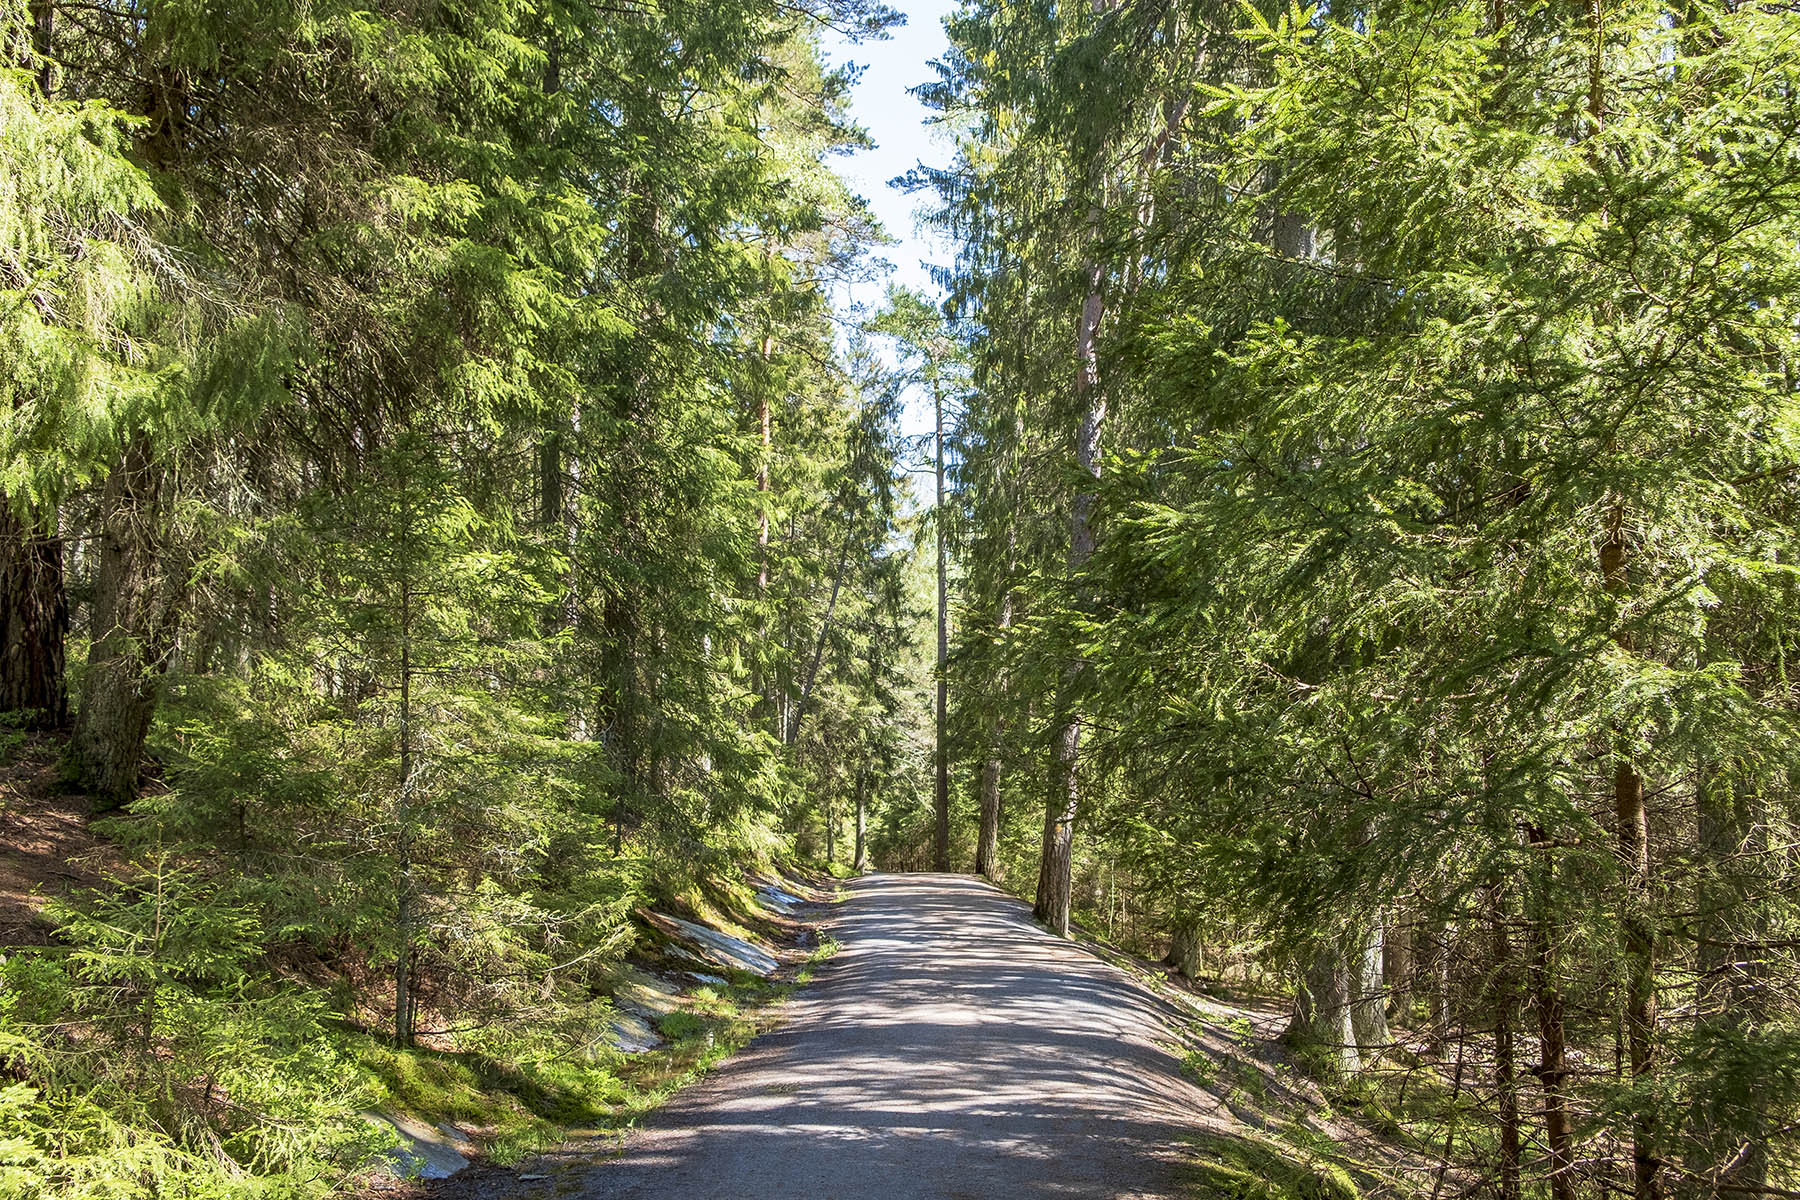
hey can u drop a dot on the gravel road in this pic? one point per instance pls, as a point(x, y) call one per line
point(950, 1050)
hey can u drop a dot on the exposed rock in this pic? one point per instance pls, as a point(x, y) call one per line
point(783, 902)
point(425, 1151)
point(720, 948)
point(632, 1034)
point(646, 994)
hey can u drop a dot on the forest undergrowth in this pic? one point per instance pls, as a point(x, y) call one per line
point(170, 1029)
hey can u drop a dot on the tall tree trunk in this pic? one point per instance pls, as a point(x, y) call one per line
point(34, 609)
point(1063, 800)
point(1186, 951)
point(1547, 998)
point(765, 421)
point(1339, 1009)
point(940, 845)
point(1368, 1008)
point(987, 841)
point(861, 863)
point(1506, 1070)
point(1321, 1023)
point(1435, 973)
point(1636, 923)
point(134, 625)
point(1397, 961)
point(791, 731)
point(1730, 991)
point(1056, 858)
point(405, 890)
point(34, 620)
point(134, 608)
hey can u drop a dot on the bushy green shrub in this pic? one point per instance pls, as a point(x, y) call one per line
point(155, 1052)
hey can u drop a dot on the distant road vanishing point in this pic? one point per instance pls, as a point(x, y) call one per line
point(951, 1050)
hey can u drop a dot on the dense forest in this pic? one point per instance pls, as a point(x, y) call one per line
point(441, 509)
point(446, 510)
point(1377, 495)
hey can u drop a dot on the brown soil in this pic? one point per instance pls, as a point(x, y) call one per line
point(46, 847)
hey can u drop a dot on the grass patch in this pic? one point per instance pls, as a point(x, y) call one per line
point(1248, 1168)
point(519, 1100)
point(1200, 1067)
point(515, 1106)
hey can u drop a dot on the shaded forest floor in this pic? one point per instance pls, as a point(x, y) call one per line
point(1273, 1130)
point(677, 1005)
point(47, 849)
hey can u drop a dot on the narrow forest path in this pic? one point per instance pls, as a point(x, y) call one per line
point(951, 1049)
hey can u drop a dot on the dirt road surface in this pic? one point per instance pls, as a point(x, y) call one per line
point(951, 1050)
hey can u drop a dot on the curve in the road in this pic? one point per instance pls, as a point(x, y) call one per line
point(951, 1050)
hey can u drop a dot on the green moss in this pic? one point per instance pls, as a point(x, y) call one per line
point(516, 1104)
point(1247, 1168)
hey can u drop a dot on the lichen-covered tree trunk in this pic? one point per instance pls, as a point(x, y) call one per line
point(34, 620)
point(1187, 952)
point(1321, 1022)
point(133, 630)
point(1339, 1002)
point(1368, 1001)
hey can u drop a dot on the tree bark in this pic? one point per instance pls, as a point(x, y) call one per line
point(765, 421)
point(1636, 924)
point(1187, 954)
point(1056, 858)
point(1338, 1002)
point(1436, 970)
point(405, 884)
point(1506, 1071)
point(1321, 1022)
point(34, 608)
point(791, 733)
point(987, 842)
point(1547, 998)
point(862, 820)
point(34, 620)
point(1397, 962)
point(940, 847)
point(134, 624)
point(1368, 1008)
point(1730, 990)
